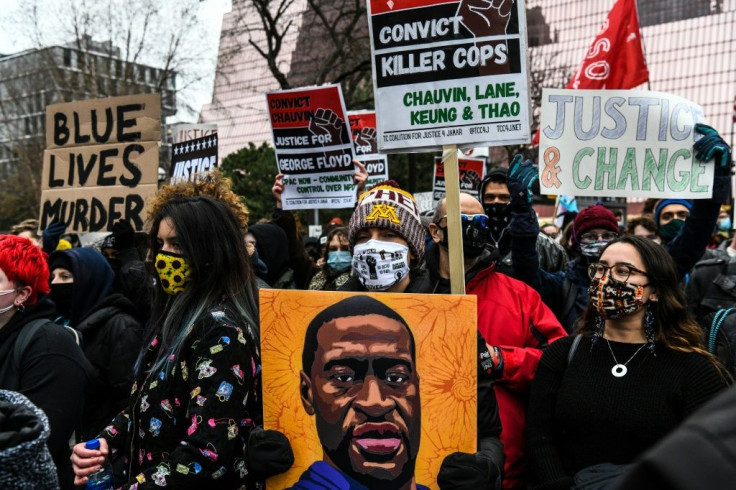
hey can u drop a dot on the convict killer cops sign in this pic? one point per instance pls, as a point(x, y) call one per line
point(620, 143)
point(314, 148)
point(449, 72)
point(101, 161)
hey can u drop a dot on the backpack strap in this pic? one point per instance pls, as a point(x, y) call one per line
point(11, 367)
point(573, 348)
point(715, 325)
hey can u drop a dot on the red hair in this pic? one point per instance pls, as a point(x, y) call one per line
point(25, 264)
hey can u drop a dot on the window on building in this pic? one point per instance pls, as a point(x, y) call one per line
point(118, 68)
point(67, 57)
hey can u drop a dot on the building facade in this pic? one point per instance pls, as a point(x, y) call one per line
point(33, 79)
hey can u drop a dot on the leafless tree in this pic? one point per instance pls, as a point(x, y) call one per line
point(332, 43)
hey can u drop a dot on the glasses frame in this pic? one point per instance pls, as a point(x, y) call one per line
point(613, 235)
point(592, 271)
point(470, 217)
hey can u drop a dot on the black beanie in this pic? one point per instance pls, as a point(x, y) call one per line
point(60, 259)
point(121, 238)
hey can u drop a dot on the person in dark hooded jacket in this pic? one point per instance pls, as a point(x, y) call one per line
point(272, 247)
point(131, 278)
point(81, 287)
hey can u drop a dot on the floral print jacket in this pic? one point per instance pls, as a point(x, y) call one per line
point(185, 426)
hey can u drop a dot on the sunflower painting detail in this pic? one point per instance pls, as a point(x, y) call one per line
point(369, 388)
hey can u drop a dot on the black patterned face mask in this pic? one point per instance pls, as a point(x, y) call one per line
point(498, 218)
point(615, 299)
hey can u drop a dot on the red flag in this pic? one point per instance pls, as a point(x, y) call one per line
point(615, 60)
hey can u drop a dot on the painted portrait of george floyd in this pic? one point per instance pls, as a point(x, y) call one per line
point(372, 390)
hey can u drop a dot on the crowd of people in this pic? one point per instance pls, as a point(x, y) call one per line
point(596, 340)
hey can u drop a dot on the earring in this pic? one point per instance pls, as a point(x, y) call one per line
point(649, 329)
point(21, 307)
point(598, 330)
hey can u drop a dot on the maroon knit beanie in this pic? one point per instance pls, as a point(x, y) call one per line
point(593, 217)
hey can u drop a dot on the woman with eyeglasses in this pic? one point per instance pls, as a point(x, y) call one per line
point(634, 372)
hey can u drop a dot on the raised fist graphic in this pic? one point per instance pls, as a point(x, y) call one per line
point(327, 127)
point(365, 142)
point(486, 17)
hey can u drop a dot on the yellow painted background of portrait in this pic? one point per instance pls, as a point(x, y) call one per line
point(444, 328)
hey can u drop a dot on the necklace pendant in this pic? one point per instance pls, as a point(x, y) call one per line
point(619, 370)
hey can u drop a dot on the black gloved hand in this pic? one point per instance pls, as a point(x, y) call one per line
point(522, 177)
point(711, 145)
point(464, 471)
point(51, 236)
point(268, 453)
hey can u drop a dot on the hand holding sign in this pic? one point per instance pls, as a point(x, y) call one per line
point(711, 145)
point(486, 17)
point(327, 127)
point(278, 189)
point(360, 177)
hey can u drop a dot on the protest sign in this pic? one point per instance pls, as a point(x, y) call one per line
point(363, 130)
point(101, 121)
point(449, 72)
point(316, 371)
point(187, 132)
point(101, 162)
point(620, 143)
point(472, 171)
point(314, 149)
point(192, 157)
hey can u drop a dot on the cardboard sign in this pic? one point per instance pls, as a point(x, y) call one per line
point(188, 132)
point(472, 171)
point(315, 405)
point(363, 130)
point(101, 121)
point(192, 157)
point(313, 146)
point(620, 143)
point(450, 72)
point(101, 163)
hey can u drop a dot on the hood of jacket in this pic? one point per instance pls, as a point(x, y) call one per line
point(93, 280)
point(24, 429)
point(273, 249)
point(113, 305)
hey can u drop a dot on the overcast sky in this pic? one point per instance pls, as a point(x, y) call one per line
point(210, 13)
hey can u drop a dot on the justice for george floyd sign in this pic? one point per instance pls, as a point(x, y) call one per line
point(363, 129)
point(471, 170)
point(314, 149)
point(449, 72)
point(193, 157)
point(620, 143)
point(101, 162)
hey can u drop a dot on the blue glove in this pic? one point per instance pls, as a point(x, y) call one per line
point(522, 176)
point(51, 236)
point(711, 145)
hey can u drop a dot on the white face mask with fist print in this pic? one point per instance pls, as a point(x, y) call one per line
point(379, 265)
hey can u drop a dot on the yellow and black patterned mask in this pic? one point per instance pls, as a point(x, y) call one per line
point(173, 271)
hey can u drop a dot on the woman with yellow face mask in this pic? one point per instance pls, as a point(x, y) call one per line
point(196, 395)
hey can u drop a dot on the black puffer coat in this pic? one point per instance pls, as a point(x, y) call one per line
point(112, 339)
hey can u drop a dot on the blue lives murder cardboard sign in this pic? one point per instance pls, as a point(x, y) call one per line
point(449, 72)
point(193, 157)
point(620, 143)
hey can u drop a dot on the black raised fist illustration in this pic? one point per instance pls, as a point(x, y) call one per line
point(486, 17)
point(371, 261)
point(365, 142)
point(326, 127)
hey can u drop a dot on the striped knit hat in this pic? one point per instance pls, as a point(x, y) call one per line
point(387, 206)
